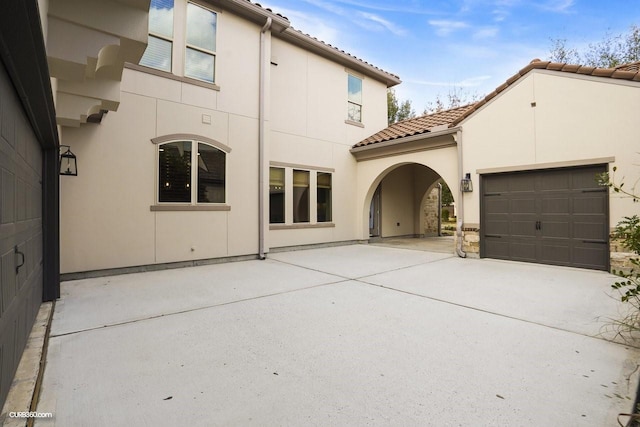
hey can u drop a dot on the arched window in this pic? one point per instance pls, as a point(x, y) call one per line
point(191, 171)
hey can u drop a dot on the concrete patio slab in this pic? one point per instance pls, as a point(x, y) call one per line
point(94, 303)
point(338, 352)
point(355, 261)
point(571, 299)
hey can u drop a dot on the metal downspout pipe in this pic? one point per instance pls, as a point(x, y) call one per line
point(460, 204)
point(261, 137)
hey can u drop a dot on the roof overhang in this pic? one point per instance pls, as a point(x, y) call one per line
point(410, 144)
point(311, 44)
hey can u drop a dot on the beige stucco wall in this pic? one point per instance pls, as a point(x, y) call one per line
point(106, 216)
point(417, 180)
point(575, 118)
point(308, 129)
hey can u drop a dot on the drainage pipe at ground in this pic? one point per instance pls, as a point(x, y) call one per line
point(261, 137)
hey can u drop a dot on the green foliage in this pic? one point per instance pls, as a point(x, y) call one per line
point(612, 51)
point(627, 231)
point(396, 110)
point(445, 214)
point(447, 197)
point(457, 97)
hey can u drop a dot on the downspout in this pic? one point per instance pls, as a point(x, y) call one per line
point(261, 134)
point(460, 204)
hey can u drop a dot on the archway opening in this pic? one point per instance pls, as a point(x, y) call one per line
point(412, 206)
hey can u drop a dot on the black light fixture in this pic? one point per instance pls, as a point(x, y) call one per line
point(68, 163)
point(466, 184)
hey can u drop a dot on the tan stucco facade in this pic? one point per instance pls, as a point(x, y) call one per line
point(110, 215)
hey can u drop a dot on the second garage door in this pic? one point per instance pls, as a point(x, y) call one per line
point(556, 216)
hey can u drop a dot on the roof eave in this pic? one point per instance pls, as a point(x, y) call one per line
point(309, 43)
point(254, 13)
point(361, 150)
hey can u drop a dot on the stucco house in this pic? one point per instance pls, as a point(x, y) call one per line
point(531, 150)
point(211, 130)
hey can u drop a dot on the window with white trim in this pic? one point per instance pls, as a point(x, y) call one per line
point(200, 52)
point(191, 172)
point(160, 46)
point(354, 99)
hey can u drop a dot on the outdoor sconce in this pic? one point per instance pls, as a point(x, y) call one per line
point(68, 164)
point(466, 184)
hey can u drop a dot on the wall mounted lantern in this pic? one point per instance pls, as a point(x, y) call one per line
point(68, 163)
point(466, 184)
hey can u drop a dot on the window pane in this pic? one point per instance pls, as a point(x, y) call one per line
point(355, 112)
point(300, 196)
point(199, 65)
point(355, 89)
point(324, 197)
point(157, 55)
point(175, 172)
point(276, 196)
point(161, 17)
point(211, 174)
point(201, 27)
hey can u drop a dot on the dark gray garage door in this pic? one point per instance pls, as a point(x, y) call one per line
point(21, 274)
point(556, 216)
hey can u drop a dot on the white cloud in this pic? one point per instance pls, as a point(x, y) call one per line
point(380, 22)
point(558, 6)
point(445, 27)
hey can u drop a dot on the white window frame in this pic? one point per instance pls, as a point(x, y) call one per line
point(197, 48)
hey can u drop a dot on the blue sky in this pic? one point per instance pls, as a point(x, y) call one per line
point(472, 45)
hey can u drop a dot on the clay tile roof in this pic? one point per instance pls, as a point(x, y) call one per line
point(267, 9)
point(418, 125)
point(453, 117)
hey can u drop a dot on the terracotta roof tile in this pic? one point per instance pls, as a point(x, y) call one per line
point(453, 117)
point(418, 125)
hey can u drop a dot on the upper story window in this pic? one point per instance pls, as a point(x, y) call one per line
point(200, 54)
point(354, 103)
point(160, 47)
point(191, 172)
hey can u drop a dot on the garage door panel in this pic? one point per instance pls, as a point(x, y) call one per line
point(520, 183)
point(522, 205)
point(523, 251)
point(8, 196)
point(556, 205)
point(497, 205)
point(589, 231)
point(586, 178)
point(554, 181)
point(552, 217)
point(557, 253)
point(497, 227)
point(555, 229)
point(594, 204)
point(588, 256)
point(498, 247)
point(495, 186)
point(520, 228)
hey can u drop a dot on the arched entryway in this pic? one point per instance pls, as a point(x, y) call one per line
point(405, 208)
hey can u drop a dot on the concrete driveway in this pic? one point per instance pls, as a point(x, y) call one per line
point(346, 336)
